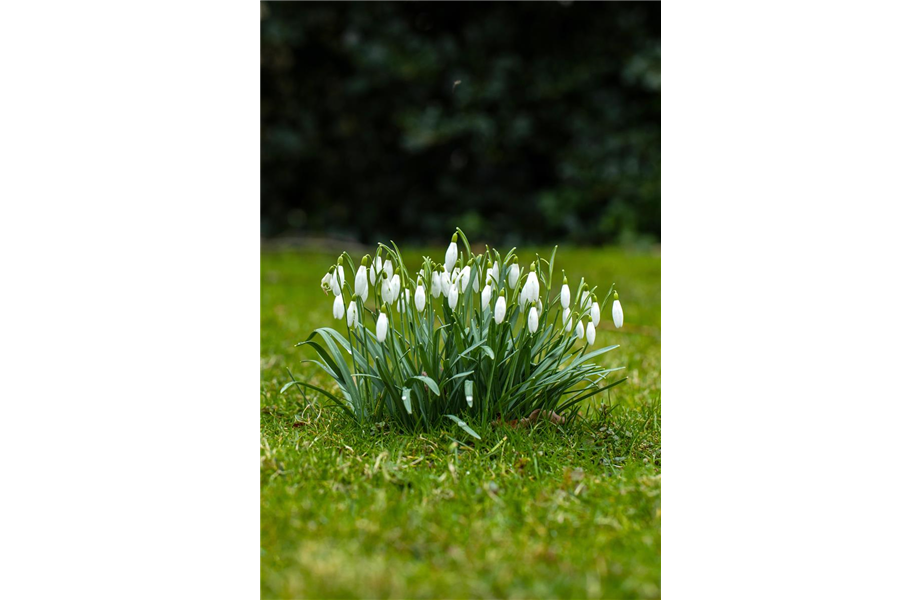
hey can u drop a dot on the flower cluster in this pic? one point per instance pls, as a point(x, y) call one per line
point(475, 335)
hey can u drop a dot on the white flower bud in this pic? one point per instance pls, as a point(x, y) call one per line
point(486, 297)
point(589, 333)
point(376, 269)
point(595, 314)
point(513, 274)
point(388, 268)
point(450, 257)
point(453, 296)
point(567, 319)
point(617, 313)
point(580, 330)
point(361, 282)
point(533, 320)
point(500, 310)
point(435, 285)
point(566, 296)
point(338, 307)
point(420, 297)
point(382, 324)
point(464, 278)
point(352, 314)
point(338, 280)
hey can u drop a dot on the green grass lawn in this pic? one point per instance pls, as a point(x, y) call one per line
point(560, 512)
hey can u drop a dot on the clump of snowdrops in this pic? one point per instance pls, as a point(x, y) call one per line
point(472, 339)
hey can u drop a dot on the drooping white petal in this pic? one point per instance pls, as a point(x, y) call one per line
point(567, 319)
point(580, 330)
point(361, 281)
point(453, 296)
point(531, 289)
point(352, 313)
point(585, 300)
point(376, 269)
point(566, 296)
point(464, 278)
point(486, 296)
point(435, 285)
point(533, 319)
point(338, 280)
point(513, 274)
point(450, 257)
point(382, 324)
point(496, 271)
point(445, 282)
point(395, 287)
point(420, 298)
point(617, 314)
point(500, 309)
point(325, 284)
point(338, 307)
point(595, 314)
point(476, 281)
point(388, 268)
point(590, 332)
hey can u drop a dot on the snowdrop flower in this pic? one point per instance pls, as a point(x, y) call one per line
point(326, 283)
point(435, 284)
point(589, 333)
point(500, 308)
point(385, 288)
point(595, 311)
point(533, 319)
point(395, 286)
point(361, 280)
point(531, 291)
point(496, 271)
point(338, 307)
point(486, 297)
point(382, 325)
point(338, 279)
point(450, 258)
point(476, 281)
point(490, 274)
point(617, 311)
point(376, 269)
point(514, 273)
point(351, 315)
point(453, 296)
point(566, 296)
point(567, 319)
point(405, 299)
point(420, 297)
point(464, 278)
point(388, 268)
point(445, 281)
point(580, 330)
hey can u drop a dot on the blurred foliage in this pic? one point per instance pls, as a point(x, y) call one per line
point(553, 131)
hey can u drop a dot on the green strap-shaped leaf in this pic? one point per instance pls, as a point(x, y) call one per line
point(407, 399)
point(463, 426)
point(429, 382)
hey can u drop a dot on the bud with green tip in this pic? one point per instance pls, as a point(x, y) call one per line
point(617, 311)
point(500, 307)
point(595, 311)
point(450, 257)
point(382, 325)
point(566, 295)
point(514, 273)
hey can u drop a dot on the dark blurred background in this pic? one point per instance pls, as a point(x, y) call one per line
point(553, 132)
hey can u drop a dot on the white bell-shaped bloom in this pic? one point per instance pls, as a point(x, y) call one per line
point(435, 284)
point(495, 272)
point(585, 300)
point(464, 278)
point(395, 287)
point(533, 319)
point(450, 257)
point(351, 315)
point(531, 290)
point(567, 319)
point(617, 311)
point(595, 312)
point(388, 268)
point(445, 282)
point(580, 330)
point(338, 280)
point(476, 281)
point(486, 297)
point(513, 274)
point(420, 297)
point(500, 308)
point(405, 301)
point(385, 288)
point(382, 324)
point(453, 296)
point(361, 282)
point(338, 307)
point(326, 283)
point(376, 269)
point(566, 295)
point(589, 333)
